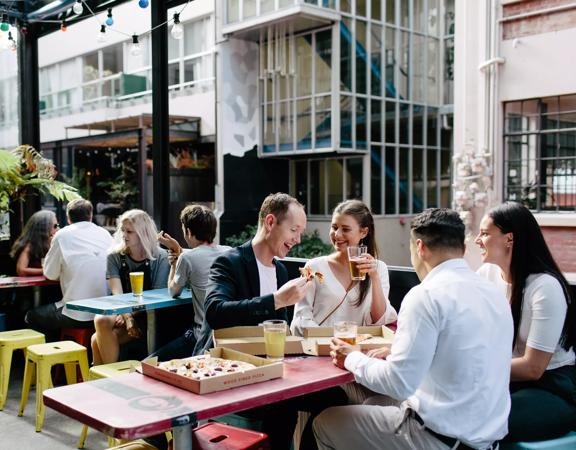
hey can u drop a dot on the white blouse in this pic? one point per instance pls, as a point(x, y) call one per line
point(321, 299)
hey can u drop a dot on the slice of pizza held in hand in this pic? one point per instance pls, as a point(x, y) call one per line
point(309, 273)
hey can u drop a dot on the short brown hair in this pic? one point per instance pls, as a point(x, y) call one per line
point(277, 204)
point(439, 228)
point(201, 222)
point(79, 210)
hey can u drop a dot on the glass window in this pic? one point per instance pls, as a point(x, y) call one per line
point(376, 9)
point(346, 6)
point(390, 62)
point(404, 123)
point(304, 124)
point(346, 121)
point(346, 55)
point(403, 82)
point(433, 88)
point(418, 182)
point(433, 17)
point(173, 74)
point(335, 176)
point(300, 181)
point(418, 67)
point(361, 56)
point(249, 8)
point(376, 60)
point(432, 175)
point(304, 65)
point(432, 127)
point(90, 67)
point(376, 179)
point(317, 187)
point(323, 61)
point(354, 178)
point(405, 13)
point(361, 113)
point(418, 125)
point(404, 179)
point(323, 121)
point(419, 16)
point(192, 70)
point(391, 122)
point(266, 6)
point(232, 10)
point(391, 180)
point(286, 126)
point(112, 60)
point(361, 8)
point(269, 130)
point(194, 35)
point(391, 12)
point(376, 121)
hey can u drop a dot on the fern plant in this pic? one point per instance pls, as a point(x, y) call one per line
point(24, 168)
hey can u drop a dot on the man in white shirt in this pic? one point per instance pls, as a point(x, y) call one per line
point(77, 257)
point(448, 369)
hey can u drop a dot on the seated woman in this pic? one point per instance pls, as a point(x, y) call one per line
point(137, 250)
point(339, 297)
point(543, 376)
point(33, 243)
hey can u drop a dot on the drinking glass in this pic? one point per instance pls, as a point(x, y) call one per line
point(275, 339)
point(137, 283)
point(356, 255)
point(346, 331)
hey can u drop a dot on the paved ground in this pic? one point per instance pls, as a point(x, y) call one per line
point(58, 433)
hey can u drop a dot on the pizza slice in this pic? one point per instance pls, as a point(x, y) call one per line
point(309, 273)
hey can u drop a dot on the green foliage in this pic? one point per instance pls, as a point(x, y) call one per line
point(124, 189)
point(24, 168)
point(310, 246)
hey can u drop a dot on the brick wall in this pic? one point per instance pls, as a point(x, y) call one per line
point(540, 23)
point(562, 243)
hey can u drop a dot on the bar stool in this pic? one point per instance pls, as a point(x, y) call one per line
point(216, 435)
point(567, 442)
point(10, 341)
point(80, 335)
point(106, 371)
point(42, 357)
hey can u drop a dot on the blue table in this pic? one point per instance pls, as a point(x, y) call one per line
point(128, 303)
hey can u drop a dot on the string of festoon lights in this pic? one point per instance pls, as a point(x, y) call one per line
point(104, 26)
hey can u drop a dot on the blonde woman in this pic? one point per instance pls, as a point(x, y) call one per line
point(136, 250)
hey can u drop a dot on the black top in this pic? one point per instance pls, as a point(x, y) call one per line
point(233, 294)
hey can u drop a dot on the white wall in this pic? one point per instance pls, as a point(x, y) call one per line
point(538, 66)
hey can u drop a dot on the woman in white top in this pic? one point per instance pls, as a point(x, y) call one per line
point(339, 297)
point(543, 376)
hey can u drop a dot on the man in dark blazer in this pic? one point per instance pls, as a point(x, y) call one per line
point(247, 286)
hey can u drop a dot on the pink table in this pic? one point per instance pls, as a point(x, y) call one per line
point(134, 406)
point(35, 281)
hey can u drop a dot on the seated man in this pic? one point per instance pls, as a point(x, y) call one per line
point(190, 268)
point(247, 286)
point(449, 365)
point(77, 257)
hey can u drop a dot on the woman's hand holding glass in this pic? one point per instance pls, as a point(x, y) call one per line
point(368, 265)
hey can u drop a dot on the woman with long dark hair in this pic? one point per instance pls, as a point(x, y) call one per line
point(33, 243)
point(339, 297)
point(543, 376)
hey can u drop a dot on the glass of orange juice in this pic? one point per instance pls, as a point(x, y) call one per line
point(137, 283)
point(275, 339)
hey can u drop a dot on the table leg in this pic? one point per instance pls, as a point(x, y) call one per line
point(182, 432)
point(36, 295)
point(151, 333)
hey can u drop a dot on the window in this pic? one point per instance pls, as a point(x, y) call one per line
point(540, 153)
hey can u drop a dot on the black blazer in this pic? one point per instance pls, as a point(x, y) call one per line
point(233, 294)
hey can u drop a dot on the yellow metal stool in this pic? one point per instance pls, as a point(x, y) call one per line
point(10, 341)
point(107, 371)
point(43, 357)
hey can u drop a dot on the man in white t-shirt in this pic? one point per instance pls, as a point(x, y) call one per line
point(446, 375)
point(77, 257)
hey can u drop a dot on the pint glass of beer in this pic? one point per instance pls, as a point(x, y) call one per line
point(275, 339)
point(356, 255)
point(137, 283)
point(346, 331)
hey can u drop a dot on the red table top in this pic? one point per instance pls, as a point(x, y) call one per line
point(38, 280)
point(133, 406)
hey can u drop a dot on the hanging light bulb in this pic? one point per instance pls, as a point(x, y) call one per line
point(110, 19)
point(4, 25)
point(177, 30)
point(143, 3)
point(102, 35)
point(135, 49)
point(63, 26)
point(11, 42)
point(78, 8)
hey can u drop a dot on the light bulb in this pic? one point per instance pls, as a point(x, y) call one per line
point(143, 3)
point(78, 8)
point(135, 49)
point(63, 26)
point(102, 35)
point(177, 31)
point(110, 19)
point(4, 26)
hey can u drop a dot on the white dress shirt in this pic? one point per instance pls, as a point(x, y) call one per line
point(77, 257)
point(451, 355)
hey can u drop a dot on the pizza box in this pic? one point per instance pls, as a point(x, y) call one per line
point(264, 370)
point(251, 340)
point(317, 339)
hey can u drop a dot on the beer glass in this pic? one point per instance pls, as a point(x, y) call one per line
point(346, 331)
point(137, 283)
point(356, 255)
point(275, 339)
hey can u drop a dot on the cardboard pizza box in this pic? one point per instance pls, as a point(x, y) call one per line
point(317, 339)
point(264, 370)
point(251, 340)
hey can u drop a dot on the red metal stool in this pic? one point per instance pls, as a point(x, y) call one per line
point(79, 335)
point(216, 435)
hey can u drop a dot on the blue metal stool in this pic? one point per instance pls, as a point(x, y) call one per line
point(567, 442)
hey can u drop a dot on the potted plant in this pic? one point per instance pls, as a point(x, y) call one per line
point(21, 170)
